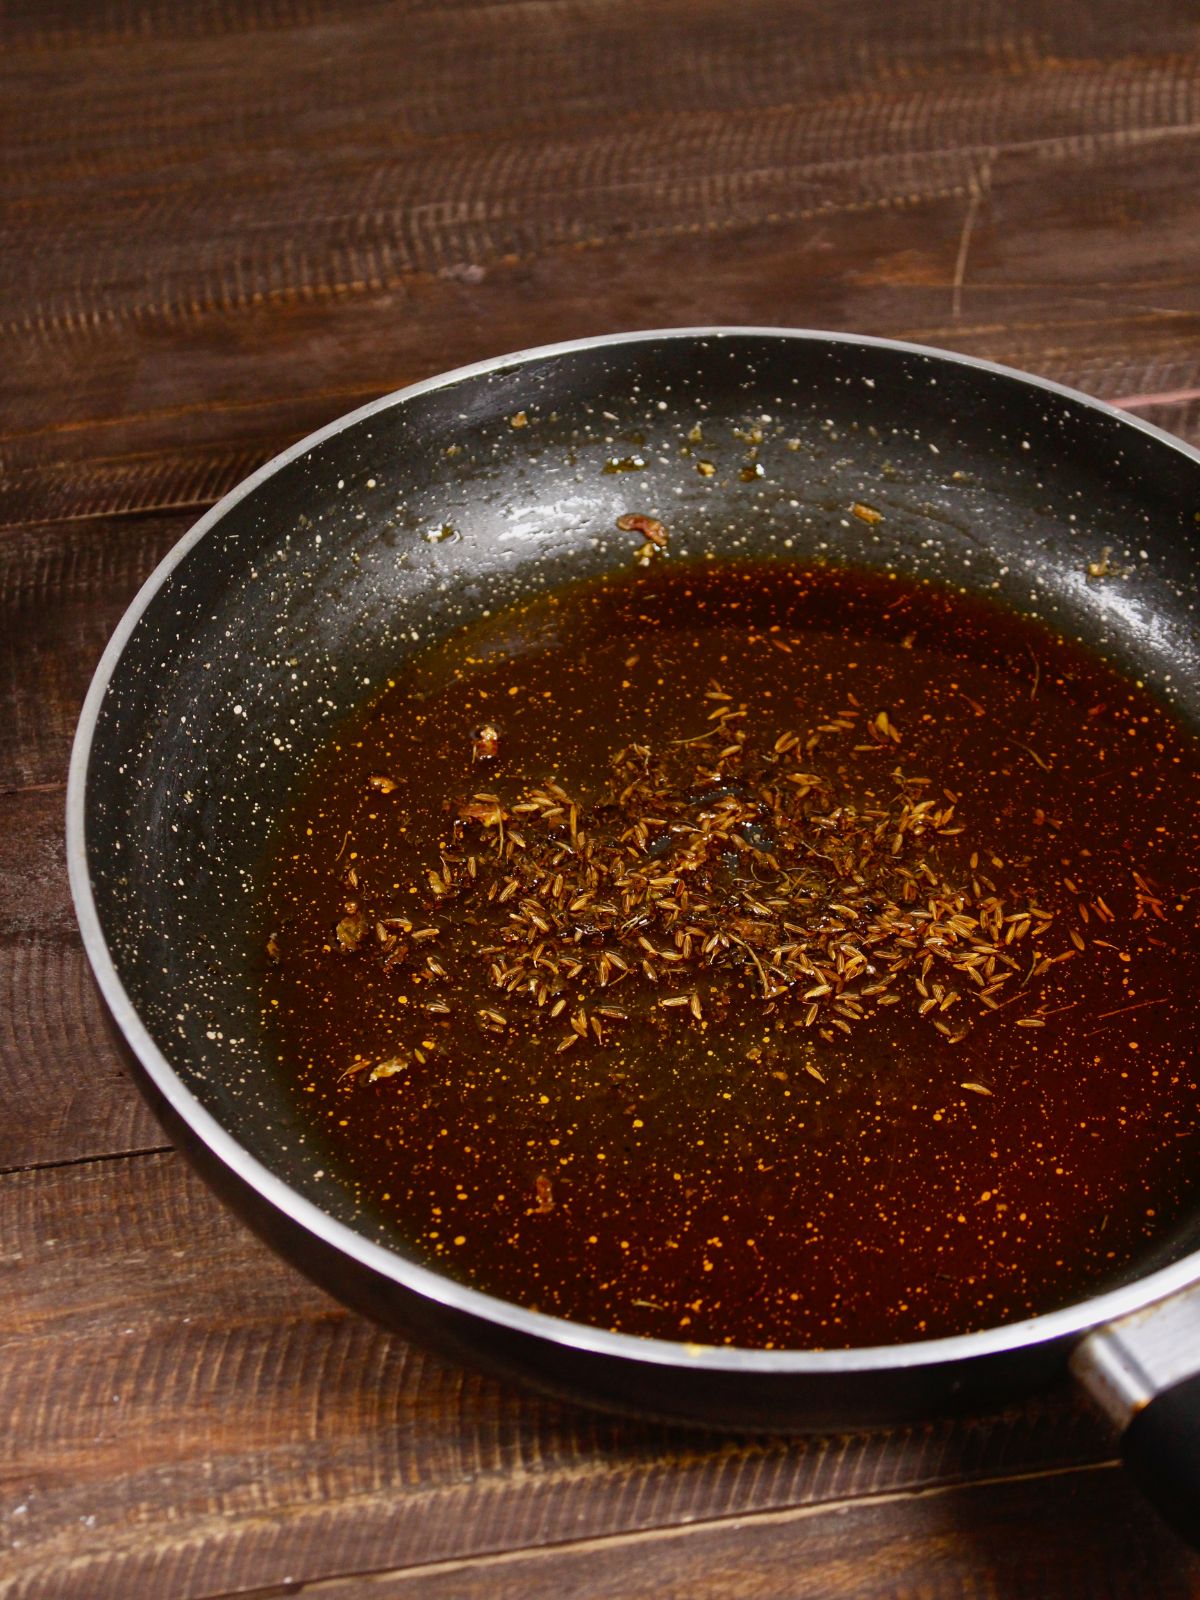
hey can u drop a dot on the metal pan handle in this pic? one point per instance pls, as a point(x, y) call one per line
point(1143, 1371)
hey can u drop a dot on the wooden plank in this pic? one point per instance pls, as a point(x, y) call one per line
point(997, 186)
point(341, 87)
point(65, 1091)
point(186, 1416)
point(53, 25)
point(62, 592)
point(1069, 1537)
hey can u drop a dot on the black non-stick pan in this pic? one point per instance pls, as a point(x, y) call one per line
point(294, 597)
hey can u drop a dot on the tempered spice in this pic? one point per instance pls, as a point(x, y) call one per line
point(719, 863)
point(787, 973)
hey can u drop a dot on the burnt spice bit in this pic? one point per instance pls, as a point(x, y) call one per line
point(740, 859)
point(652, 531)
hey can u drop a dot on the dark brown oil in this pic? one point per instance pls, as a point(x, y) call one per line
point(700, 1183)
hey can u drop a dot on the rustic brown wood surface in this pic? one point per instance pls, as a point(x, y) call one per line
point(227, 222)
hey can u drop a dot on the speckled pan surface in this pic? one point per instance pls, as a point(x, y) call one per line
point(292, 600)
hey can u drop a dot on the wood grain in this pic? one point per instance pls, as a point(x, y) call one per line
point(66, 1094)
point(65, 1091)
point(783, 173)
point(1071, 1537)
point(62, 592)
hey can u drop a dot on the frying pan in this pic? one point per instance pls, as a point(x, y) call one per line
point(294, 597)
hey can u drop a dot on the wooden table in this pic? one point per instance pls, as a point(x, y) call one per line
point(228, 222)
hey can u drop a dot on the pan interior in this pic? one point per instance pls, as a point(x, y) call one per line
point(308, 592)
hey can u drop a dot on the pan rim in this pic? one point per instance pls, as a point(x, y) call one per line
point(1063, 1324)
